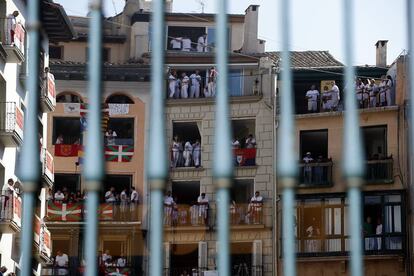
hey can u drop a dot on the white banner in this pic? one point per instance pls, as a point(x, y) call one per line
point(71, 108)
point(118, 109)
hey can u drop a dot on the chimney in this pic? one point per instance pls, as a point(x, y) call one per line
point(251, 17)
point(381, 53)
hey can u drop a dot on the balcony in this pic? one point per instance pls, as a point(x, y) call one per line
point(3, 53)
point(14, 46)
point(51, 270)
point(246, 214)
point(75, 212)
point(315, 174)
point(184, 215)
point(48, 170)
point(380, 171)
point(11, 124)
point(10, 215)
point(48, 93)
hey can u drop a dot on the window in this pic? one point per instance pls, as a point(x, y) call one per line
point(192, 33)
point(67, 128)
point(70, 182)
point(119, 182)
point(119, 99)
point(124, 129)
point(184, 258)
point(241, 258)
point(315, 167)
point(186, 144)
point(67, 97)
point(240, 194)
point(185, 195)
point(235, 82)
point(185, 192)
point(56, 52)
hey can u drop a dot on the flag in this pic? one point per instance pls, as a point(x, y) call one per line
point(106, 211)
point(119, 153)
point(64, 211)
point(80, 156)
point(67, 150)
point(245, 157)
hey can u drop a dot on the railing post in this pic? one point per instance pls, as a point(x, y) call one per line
point(352, 163)
point(157, 169)
point(223, 156)
point(94, 165)
point(30, 154)
point(286, 164)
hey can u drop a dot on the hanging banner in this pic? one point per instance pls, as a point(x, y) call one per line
point(71, 108)
point(118, 109)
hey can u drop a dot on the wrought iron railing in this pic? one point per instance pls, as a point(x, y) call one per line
point(380, 171)
point(315, 174)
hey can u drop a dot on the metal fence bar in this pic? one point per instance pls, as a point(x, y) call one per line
point(94, 169)
point(157, 169)
point(30, 175)
point(223, 157)
point(286, 163)
point(353, 165)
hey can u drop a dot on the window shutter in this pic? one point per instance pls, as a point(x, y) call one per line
point(202, 255)
point(257, 258)
point(167, 252)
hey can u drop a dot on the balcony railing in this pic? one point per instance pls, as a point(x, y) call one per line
point(10, 206)
point(48, 95)
point(59, 211)
point(246, 214)
point(186, 215)
point(380, 171)
point(315, 174)
point(48, 168)
point(52, 270)
point(11, 124)
point(13, 42)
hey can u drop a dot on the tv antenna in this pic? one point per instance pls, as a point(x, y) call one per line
point(202, 4)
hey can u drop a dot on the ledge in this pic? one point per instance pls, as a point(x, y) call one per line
point(345, 257)
point(14, 54)
point(3, 53)
point(186, 228)
point(211, 101)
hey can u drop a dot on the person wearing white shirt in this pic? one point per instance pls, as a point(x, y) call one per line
point(175, 149)
point(307, 170)
point(197, 153)
point(195, 84)
point(235, 143)
point(134, 196)
point(61, 262)
point(312, 96)
point(187, 154)
point(212, 79)
point(255, 207)
point(176, 43)
point(388, 87)
point(172, 82)
point(110, 196)
point(378, 231)
point(359, 88)
point(186, 43)
point(184, 85)
point(373, 91)
point(110, 137)
point(59, 196)
point(124, 203)
point(121, 262)
point(335, 97)
point(382, 89)
point(168, 206)
point(106, 257)
point(203, 207)
point(250, 142)
point(10, 27)
point(202, 43)
point(59, 139)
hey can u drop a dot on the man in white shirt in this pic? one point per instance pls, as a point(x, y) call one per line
point(172, 82)
point(388, 87)
point(124, 204)
point(110, 196)
point(121, 262)
point(134, 196)
point(176, 43)
point(359, 89)
point(255, 207)
point(62, 262)
point(59, 196)
point(195, 84)
point(10, 27)
point(110, 137)
point(373, 91)
point(175, 149)
point(197, 153)
point(184, 85)
point(307, 170)
point(250, 142)
point(202, 43)
point(203, 208)
point(168, 204)
point(312, 96)
point(335, 97)
point(188, 153)
point(106, 256)
point(186, 43)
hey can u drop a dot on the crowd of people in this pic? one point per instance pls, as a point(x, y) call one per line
point(185, 44)
point(186, 154)
point(192, 86)
point(198, 211)
point(369, 94)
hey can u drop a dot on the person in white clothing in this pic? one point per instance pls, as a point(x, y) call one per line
point(175, 150)
point(255, 207)
point(110, 195)
point(186, 44)
point(168, 206)
point(10, 27)
point(388, 87)
point(121, 261)
point(373, 91)
point(212, 79)
point(307, 170)
point(134, 203)
point(382, 89)
point(106, 256)
point(59, 196)
point(62, 263)
point(378, 231)
point(195, 84)
point(250, 142)
point(124, 204)
point(184, 85)
point(172, 82)
point(59, 140)
point(197, 153)
point(202, 43)
point(110, 136)
point(335, 97)
point(187, 154)
point(312, 95)
point(359, 89)
point(203, 208)
point(176, 43)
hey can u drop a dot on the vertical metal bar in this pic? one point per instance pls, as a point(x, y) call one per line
point(352, 163)
point(94, 165)
point(223, 156)
point(157, 169)
point(30, 165)
point(286, 164)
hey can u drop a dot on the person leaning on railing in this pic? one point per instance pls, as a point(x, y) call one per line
point(61, 263)
point(255, 208)
point(203, 205)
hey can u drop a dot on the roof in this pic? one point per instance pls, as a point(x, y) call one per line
point(308, 59)
point(55, 22)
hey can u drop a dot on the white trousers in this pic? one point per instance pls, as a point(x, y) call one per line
point(184, 91)
point(195, 91)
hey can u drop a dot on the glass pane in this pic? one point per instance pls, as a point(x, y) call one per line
point(397, 219)
point(333, 201)
point(392, 198)
point(337, 221)
point(235, 82)
point(333, 245)
point(372, 199)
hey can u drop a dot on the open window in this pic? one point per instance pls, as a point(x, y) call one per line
point(244, 142)
point(63, 181)
point(68, 128)
point(185, 192)
point(124, 130)
point(119, 182)
point(241, 258)
point(119, 99)
point(240, 194)
point(176, 35)
point(186, 145)
point(68, 97)
point(184, 259)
